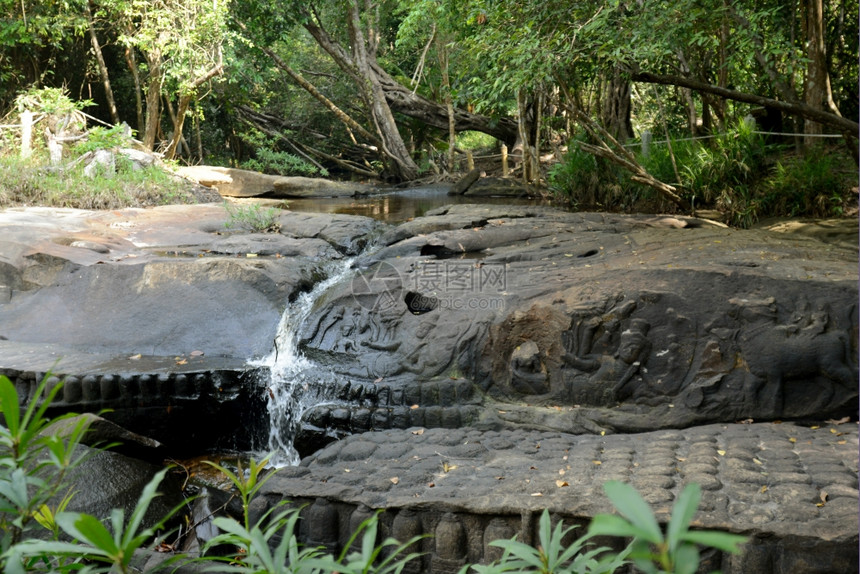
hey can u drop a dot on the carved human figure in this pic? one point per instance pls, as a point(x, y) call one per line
point(528, 373)
point(612, 374)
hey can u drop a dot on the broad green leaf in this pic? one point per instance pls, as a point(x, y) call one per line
point(614, 525)
point(631, 505)
point(682, 513)
point(88, 529)
point(686, 559)
point(527, 555)
point(146, 498)
point(9, 405)
point(14, 489)
point(715, 539)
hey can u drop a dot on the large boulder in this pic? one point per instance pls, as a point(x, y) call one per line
point(232, 182)
point(166, 281)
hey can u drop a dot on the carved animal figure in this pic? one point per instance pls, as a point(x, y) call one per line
point(776, 356)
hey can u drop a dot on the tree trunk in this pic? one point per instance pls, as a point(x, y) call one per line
point(131, 60)
point(404, 101)
point(449, 105)
point(402, 166)
point(692, 118)
point(528, 107)
point(331, 106)
point(182, 109)
point(153, 100)
point(616, 106)
point(817, 93)
point(100, 59)
point(138, 99)
point(178, 123)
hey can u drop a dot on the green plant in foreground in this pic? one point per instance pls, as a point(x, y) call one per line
point(93, 541)
point(248, 483)
point(252, 217)
point(33, 464)
point(652, 551)
point(552, 555)
point(253, 543)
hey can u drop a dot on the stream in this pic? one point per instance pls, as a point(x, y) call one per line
point(399, 206)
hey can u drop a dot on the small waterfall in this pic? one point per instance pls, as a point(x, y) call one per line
point(296, 382)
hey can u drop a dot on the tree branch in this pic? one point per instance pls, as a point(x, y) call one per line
point(844, 125)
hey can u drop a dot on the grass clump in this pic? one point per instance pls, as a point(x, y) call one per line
point(252, 217)
point(30, 182)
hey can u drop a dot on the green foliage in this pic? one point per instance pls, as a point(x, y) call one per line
point(810, 184)
point(247, 484)
point(281, 163)
point(553, 554)
point(252, 217)
point(737, 173)
point(472, 140)
point(104, 138)
point(271, 545)
point(652, 551)
point(92, 540)
point(370, 557)
point(53, 101)
point(576, 178)
point(254, 552)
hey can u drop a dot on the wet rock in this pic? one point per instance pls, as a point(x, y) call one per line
point(106, 480)
point(102, 432)
point(499, 187)
point(465, 182)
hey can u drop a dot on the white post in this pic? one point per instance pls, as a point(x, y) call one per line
point(504, 160)
point(646, 143)
point(26, 133)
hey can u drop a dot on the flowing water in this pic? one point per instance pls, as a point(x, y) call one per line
point(295, 383)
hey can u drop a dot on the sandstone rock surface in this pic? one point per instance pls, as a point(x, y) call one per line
point(233, 182)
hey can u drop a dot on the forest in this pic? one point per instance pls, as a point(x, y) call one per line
point(747, 107)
